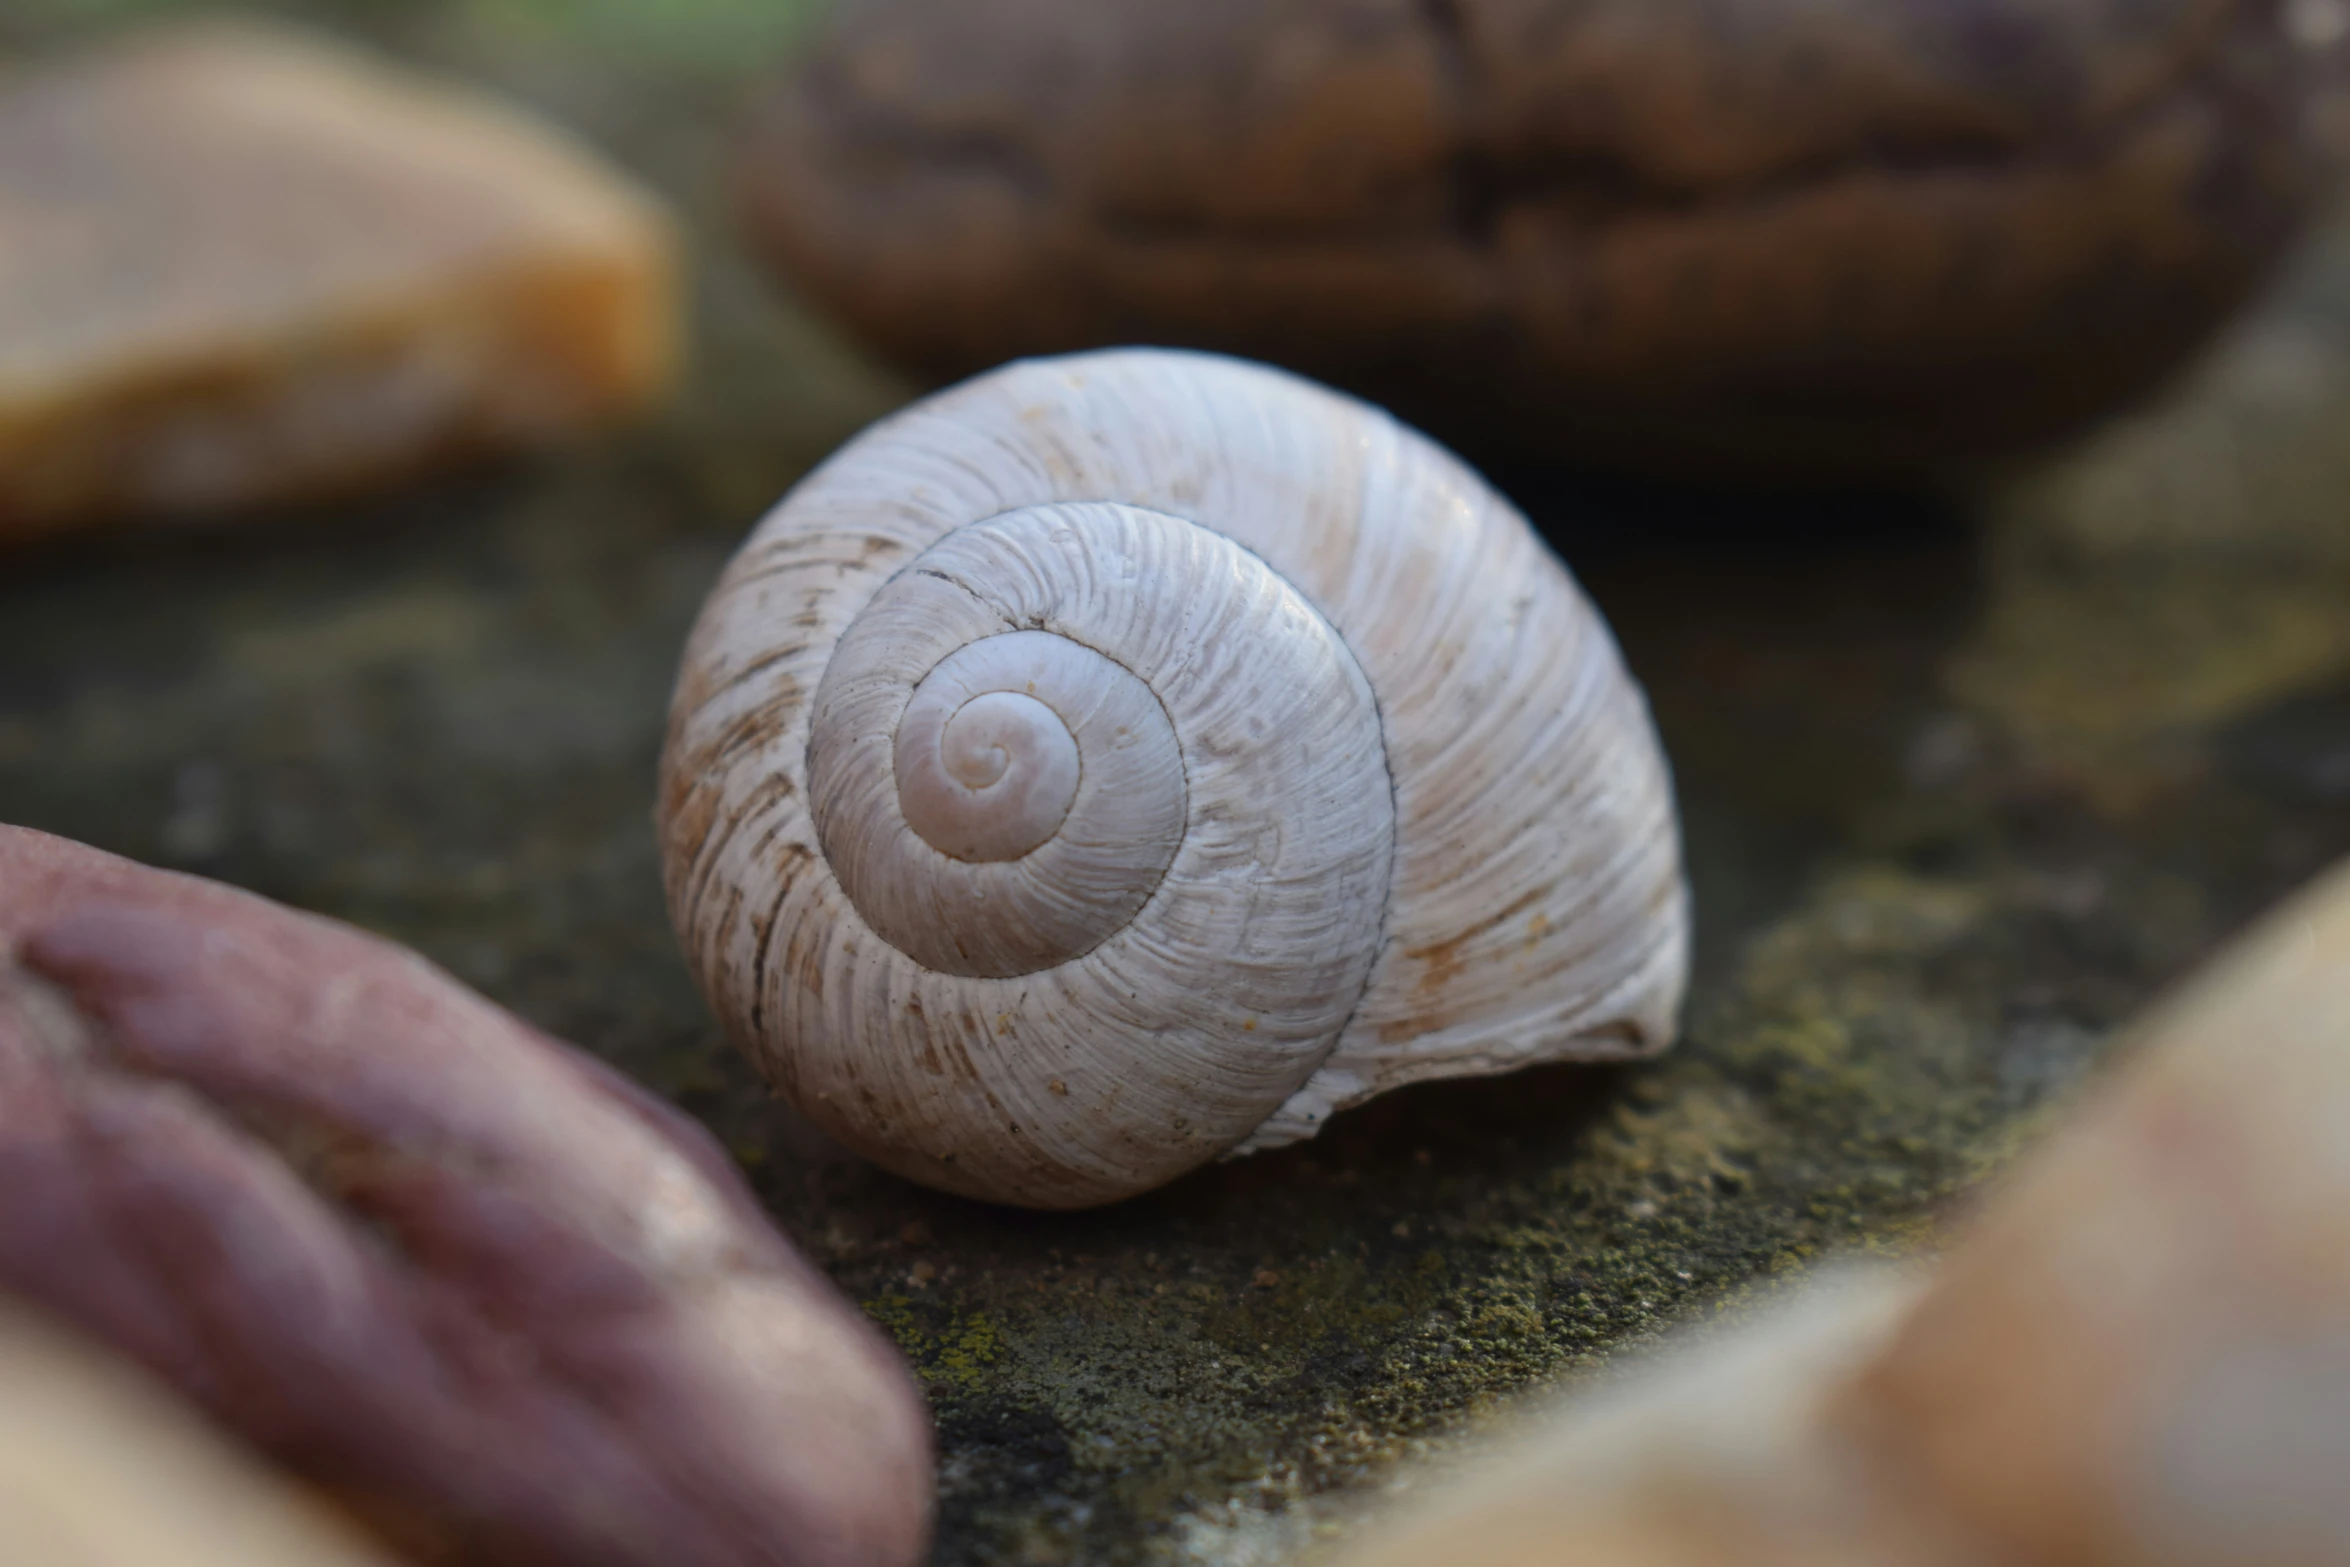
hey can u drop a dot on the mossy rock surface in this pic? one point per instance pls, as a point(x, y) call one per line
point(1966, 779)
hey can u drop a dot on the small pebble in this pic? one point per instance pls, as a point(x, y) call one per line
point(240, 268)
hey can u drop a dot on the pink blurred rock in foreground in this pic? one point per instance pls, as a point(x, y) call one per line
point(496, 1300)
point(239, 268)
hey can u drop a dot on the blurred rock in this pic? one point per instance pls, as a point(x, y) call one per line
point(1823, 238)
point(494, 1298)
point(240, 268)
point(2138, 1357)
point(2142, 1352)
point(1717, 1454)
point(100, 1468)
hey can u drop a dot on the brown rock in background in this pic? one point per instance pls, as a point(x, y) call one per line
point(1818, 237)
point(239, 268)
point(500, 1302)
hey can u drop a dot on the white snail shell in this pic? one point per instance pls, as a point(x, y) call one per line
point(1121, 760)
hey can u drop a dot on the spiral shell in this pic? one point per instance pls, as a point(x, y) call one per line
point(1121, 760)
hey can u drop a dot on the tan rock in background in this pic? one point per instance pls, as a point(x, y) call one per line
point(240, 268)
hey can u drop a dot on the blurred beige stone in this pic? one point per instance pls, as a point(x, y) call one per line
point(100, 1468)
point(239, 268)
point(2138, 1356)
point(1717, 1454)
point(2141, 1354)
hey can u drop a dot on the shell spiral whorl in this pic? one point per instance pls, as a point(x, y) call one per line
point(985, 771)
point(1119, 760)
point(997, 760)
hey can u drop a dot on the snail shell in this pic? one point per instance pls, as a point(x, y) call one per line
point(1121, 760)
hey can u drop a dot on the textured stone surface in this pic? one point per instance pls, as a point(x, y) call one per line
point(238, 267)
point(1827, 236)
point(1964, 779)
